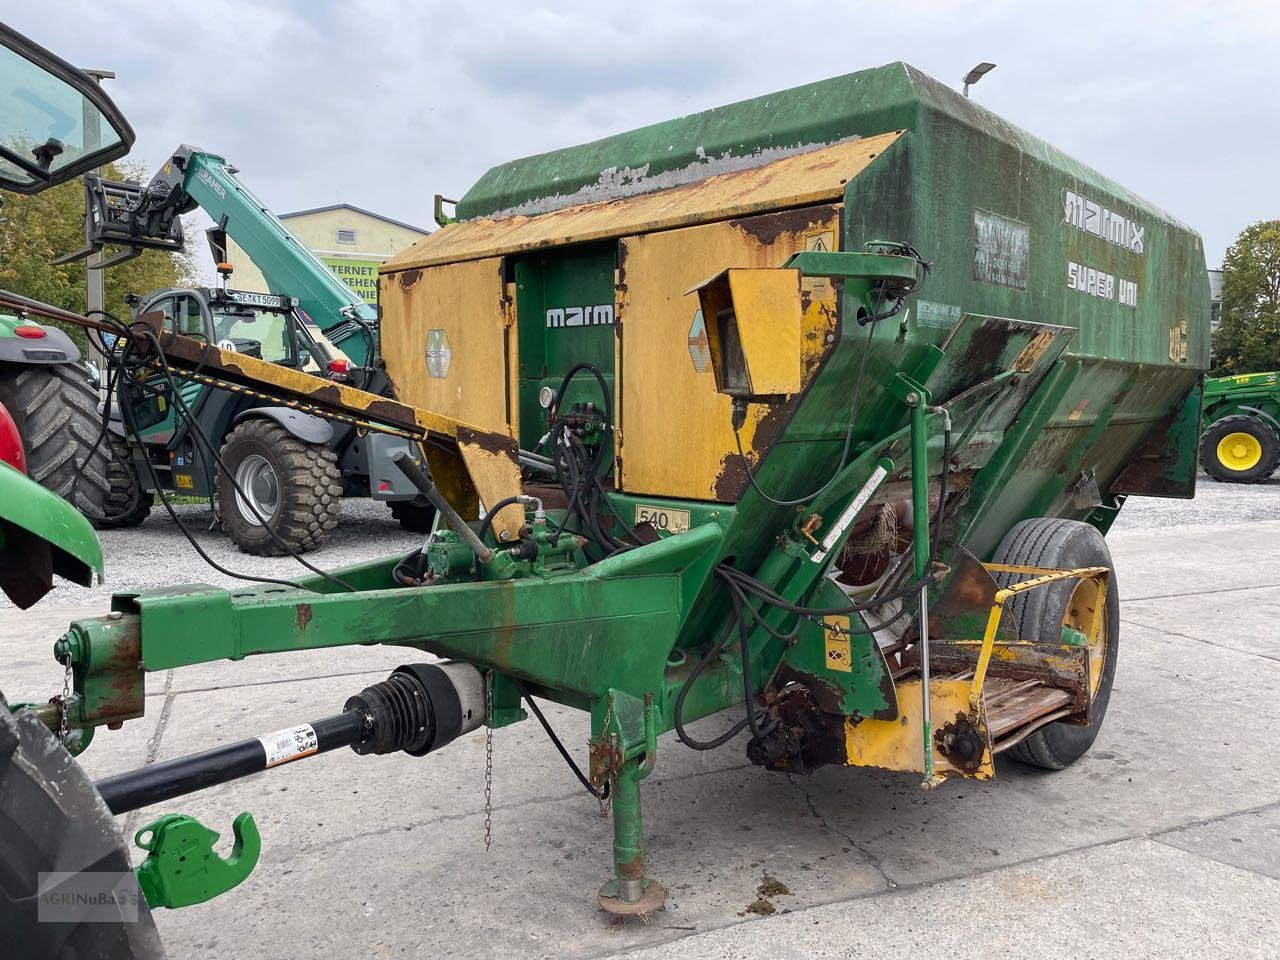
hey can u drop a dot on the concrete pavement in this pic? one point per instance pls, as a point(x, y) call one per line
point(1162, 842)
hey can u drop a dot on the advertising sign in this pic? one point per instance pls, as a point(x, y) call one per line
point(360, 275)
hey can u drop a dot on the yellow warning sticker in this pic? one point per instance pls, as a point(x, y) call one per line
point(820, 241)
point(823, 241)
point(184, 480)
point(839, 652)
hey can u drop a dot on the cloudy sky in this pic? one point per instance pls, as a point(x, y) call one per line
point(383, 103)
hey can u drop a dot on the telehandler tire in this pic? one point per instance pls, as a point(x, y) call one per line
point(295, 487)
point(56, 410)
point(1240, 449)
point(1039, 615)
point(53, 821)
point(128, 504)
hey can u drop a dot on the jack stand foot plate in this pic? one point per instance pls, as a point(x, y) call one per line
point(654, 896)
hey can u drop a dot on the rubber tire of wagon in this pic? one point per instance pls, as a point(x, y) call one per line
point(309, 483)
point(1255, 427)
point(53, 821)
point(414, 517)
point(55, 408)
point(128, 504)
point(1038, 616)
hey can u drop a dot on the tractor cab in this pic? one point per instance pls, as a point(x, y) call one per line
point(263, 325)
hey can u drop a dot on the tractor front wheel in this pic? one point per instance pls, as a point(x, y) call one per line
point(273, 483)
point(1240, 449)
point(1039, 616)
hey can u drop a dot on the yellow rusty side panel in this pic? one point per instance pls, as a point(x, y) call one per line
point(899, 745)
point(461, 313)
point(800, 180)
point(676, 437)
point(767, 306)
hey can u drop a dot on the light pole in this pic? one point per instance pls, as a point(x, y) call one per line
point(976, 74)
point(94, 282)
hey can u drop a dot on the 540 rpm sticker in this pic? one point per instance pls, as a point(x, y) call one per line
point(665, 519)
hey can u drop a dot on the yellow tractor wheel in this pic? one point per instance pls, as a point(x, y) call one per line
point(1240, 449)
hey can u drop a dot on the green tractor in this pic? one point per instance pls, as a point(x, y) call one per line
point(1240, 416)
point(53, 398)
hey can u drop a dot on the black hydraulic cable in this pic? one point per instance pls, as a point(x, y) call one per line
point(132, 427)
point(602, 794)
point(492, 512)
point(112, 374)
point(844, 453)
point(748, 688)
point(200, 435)
point(626, 527)
point(678, 711)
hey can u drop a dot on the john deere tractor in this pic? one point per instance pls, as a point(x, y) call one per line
point(1241, 420)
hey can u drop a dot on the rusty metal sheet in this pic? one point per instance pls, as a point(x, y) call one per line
point(800, 180)
point(494, 467)
point(448, 341)
point(657, 322)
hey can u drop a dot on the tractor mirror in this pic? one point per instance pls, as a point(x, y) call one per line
point(56, 122)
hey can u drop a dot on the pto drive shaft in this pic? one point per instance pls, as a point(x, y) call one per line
point(418, 709)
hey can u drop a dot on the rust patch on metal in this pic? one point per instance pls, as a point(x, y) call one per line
point(118, 678)
point(731, 481)
point(768, 228)
point(304, 616)
point(962, 743)
point(499, 444)
point(408, 278)
point(1026, 360)
point(632, 870)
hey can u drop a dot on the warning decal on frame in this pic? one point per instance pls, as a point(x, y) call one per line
point(289, 744)
point(839, 653)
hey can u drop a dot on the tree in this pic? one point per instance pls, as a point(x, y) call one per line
point(36, 229)
point(1248, 338)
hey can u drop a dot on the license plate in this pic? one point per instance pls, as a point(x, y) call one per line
point(665, 519)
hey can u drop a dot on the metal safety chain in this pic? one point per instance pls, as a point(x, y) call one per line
point(299, 405)
point(64, 726)
point(607, 799)
point(488, 760)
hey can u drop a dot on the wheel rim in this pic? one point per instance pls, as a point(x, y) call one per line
point(257, 488)
point(1239, 451)
point(1080, 613)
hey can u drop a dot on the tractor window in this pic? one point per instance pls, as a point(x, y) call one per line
point(164, 306)
point(55, 122)
point(190, 318)
point(271, 331)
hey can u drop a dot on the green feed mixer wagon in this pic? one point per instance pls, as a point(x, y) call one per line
point(805, 415)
